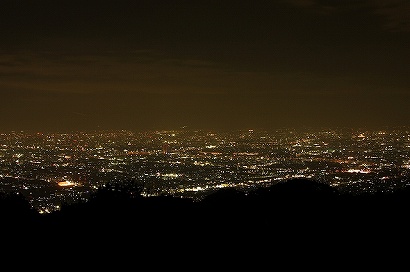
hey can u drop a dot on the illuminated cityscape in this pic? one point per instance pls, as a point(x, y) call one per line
point(51, 169)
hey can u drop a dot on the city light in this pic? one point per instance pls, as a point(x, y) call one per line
point(53, 168)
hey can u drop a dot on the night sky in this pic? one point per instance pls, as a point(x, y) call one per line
point(139, 65)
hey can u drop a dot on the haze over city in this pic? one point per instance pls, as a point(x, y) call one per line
point(138, 65)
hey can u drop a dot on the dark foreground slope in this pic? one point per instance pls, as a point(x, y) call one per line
point(294, 203)
point(298, 215)
point(298, 223)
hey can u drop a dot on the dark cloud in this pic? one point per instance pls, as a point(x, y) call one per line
point(394, 14)
point(87, 64)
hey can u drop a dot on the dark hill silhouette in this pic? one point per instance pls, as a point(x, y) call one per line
point(16, 210)
point(297, 199)
point(294, 222)
point(294, 207)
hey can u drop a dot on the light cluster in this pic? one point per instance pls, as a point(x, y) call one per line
point(51, 169)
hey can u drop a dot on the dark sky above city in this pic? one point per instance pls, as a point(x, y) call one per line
point(86, 65)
